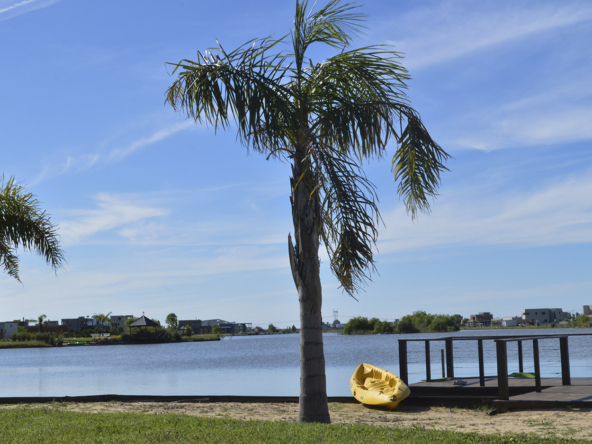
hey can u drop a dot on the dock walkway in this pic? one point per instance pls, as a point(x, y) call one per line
point(522, 393)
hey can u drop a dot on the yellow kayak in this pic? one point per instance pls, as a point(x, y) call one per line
point(374, 386)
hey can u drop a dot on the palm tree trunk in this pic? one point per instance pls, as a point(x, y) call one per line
point(305, 265)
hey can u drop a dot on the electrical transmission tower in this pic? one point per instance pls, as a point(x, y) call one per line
point(335, 315)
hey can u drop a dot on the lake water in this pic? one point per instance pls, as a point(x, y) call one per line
point(255, 365)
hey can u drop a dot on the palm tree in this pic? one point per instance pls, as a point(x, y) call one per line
point(40, 320)
point(102, 319)
point(325, 119)
point(24, 224)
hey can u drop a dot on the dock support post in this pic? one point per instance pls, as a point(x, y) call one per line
point(520, 360)
point(537, 366)
point(442, 356)
point(403, 372)
point(565, 372)
point(449, 358)
point(481, 364)
point(428, 363)
point(502, 370)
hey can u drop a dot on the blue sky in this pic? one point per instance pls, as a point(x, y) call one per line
point(160, 215)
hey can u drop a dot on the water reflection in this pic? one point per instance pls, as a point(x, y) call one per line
point(253, 365)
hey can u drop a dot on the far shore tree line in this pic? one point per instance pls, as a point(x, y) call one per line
point(422, 322)
point(418, 322)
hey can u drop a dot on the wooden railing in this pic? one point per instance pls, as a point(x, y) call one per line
point(502, 361)
point(501, 354)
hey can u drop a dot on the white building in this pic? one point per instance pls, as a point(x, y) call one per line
point(8, 328)
point(511, 321)
point(119, 320)
point(543, 315)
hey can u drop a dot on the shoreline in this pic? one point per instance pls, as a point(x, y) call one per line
point(9, 344)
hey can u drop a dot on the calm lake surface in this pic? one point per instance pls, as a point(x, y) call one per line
point(256, 365)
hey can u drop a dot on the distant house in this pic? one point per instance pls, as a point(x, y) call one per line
point(588, 310)
point(511, 321)
point(543, 315)
point(119, 320)
point(483, 319)
point(79, 323)
point(48, 327)
point(196, 326)
point(204, 327)
point(258, 330)
point(8, 328)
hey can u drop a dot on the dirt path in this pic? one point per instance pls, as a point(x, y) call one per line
point(567, 423)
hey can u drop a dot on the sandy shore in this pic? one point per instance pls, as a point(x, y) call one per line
point(567, 422)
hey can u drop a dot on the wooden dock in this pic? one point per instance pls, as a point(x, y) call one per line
point(578, 394)
point(500, 391)
point(522, 393)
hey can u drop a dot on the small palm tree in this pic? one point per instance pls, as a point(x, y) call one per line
point(24, 224)
point(103, 319)
point(40, 320)
point(324, 119)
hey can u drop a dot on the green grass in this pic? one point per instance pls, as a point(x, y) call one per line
point(26, 425)
point(23, 344)
point(78, 339)
point(198, 338)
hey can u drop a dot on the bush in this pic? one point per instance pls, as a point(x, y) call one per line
point(357, 325)
point(126, 337)
point(421, 322)
point(406, 325)
point(383, 327)
point(365, 325)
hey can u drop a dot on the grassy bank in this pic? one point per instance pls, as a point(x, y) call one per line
point(199, 338)
point(25, 425)
point(78, 339)
point(23, 344)
point(112, 340)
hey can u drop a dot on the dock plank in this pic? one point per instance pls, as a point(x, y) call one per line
point(522, 392)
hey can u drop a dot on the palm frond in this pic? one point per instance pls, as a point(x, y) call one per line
point(24, 224)
point(9, 260)
point(245, 85)
point(334, 24)
point(349, 215)
point(417, 165)
point(355, 98)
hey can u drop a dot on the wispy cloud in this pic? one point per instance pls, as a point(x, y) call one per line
point(175, 218)
point(114, 154)
point(112, 212)
point(559, 114)
point(563, 124)
point(136, 145)
point(10, 9)
point(560, 213)
point(456, 29)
